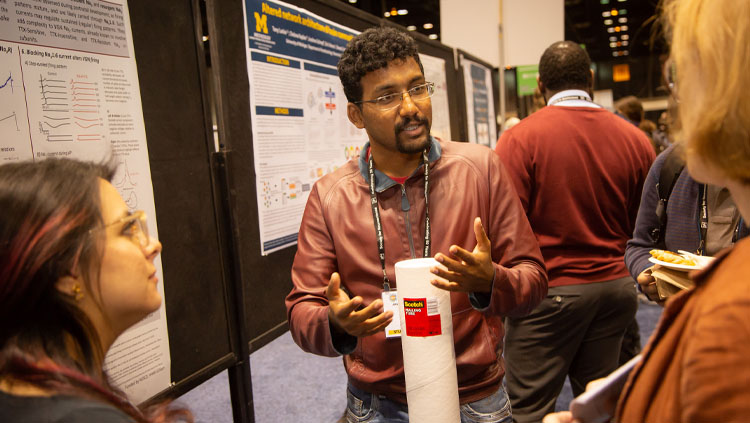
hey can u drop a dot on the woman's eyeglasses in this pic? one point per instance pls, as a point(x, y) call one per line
point(134, 225)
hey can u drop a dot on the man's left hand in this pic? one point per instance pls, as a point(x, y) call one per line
point(468, 271)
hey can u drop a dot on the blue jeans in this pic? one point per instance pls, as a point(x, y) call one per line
point(364, 407)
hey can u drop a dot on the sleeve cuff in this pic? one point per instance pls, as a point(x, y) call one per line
point(480, 300)
point(343, 343)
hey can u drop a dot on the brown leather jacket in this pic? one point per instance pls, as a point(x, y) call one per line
point(337, 235)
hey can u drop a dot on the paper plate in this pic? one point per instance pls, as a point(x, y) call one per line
point(701, 263)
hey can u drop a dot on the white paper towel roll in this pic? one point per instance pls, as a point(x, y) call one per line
point(427, 344)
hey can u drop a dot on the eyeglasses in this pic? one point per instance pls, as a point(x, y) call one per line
point(391, 101)
point(135, 226)
point(669, 71)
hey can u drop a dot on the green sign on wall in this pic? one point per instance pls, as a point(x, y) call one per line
point(526, 79)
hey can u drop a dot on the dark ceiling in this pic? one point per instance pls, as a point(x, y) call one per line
point(584, 23)
point(613, 29)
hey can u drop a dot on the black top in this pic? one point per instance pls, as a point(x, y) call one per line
point(57, 409)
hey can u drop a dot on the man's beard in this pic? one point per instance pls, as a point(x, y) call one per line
point(412, 148)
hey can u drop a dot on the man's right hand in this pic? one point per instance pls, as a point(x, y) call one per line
point(648, 285)
point(345, 315)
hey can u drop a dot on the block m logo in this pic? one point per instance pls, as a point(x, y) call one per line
point(261, 23)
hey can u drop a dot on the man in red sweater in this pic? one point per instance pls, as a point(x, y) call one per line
point(578, 170)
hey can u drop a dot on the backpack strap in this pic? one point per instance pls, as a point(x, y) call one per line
point(670, 171)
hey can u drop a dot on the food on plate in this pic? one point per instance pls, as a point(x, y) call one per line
point(671, 257)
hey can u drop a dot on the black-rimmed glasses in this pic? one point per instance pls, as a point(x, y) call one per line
point(391, 101)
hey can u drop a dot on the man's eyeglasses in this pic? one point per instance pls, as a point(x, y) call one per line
point(134, 225)
point(391, 101)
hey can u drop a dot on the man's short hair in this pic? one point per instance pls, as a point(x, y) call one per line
point(631, 108)
point(563, 66)
point(371, 50)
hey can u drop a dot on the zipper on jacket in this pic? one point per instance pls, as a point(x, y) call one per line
point(405, 208)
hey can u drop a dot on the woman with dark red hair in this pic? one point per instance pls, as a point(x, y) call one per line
point(76, 270)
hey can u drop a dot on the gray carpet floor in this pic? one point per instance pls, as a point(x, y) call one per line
point(292, 386)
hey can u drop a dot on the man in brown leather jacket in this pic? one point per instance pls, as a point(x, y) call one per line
point(427, 195)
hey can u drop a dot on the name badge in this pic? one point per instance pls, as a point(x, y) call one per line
point(390, 302)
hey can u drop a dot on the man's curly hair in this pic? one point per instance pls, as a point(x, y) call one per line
point(565, 65)
point(371, 50)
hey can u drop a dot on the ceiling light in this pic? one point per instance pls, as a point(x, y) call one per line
point(625, 36)
point(615, 53)
point(612, 38)
point(387, 14)
point(621, 1)
point(622, 20)
point(625, 43)
point(625, 52)
point(617, 29)
point(402, 11)
point(622, 12)
point(433, 36)
point(612, 45)
point(610, 30)
point(608, 22)
point(411, 28)
point(604, 1)
point(614, 12)
point(352, 1)
point(205, 38)
point(427, 26)
point(624, 27)
point(606, 14)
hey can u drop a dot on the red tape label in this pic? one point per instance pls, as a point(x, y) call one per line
point(422, 317)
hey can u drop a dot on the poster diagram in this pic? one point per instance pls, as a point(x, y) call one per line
point(434, 71)
point(480, 107)
point(70, 108)
point(69, 88)
point(301, 131)
point(13, 125)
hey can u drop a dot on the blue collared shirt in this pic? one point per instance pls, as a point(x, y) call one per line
point(383, 181)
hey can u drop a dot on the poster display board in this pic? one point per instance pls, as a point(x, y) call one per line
point(70, 89)
point(434, 71)
point(298, 109)
point(480, 108)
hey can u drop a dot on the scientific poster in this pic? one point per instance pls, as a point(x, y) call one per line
point(434, 71)
point(298, 108)
point(480, 106)
point(70, 89)
point(300, 127)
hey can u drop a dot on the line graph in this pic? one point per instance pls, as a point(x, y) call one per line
point(15, 120)
point(54, 95)
point(8, 82)
point(85, 107)
point(70, 107)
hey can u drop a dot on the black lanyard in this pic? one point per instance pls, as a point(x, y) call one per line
point(570, 97)
point(376, 214)
point(703, 219)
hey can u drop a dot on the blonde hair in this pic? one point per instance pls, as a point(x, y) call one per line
point(710, 46)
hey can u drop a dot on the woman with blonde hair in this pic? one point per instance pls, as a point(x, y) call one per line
point(696, 366)
point(76, 270)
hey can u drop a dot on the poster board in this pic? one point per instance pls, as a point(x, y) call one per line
point(72, 91)
point(74, 88)
point(479, 92)
point(301, 131)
